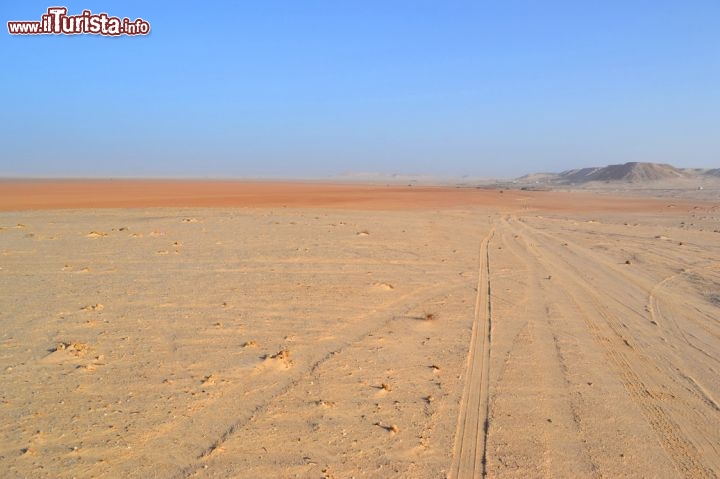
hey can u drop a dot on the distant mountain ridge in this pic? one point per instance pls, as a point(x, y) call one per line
point(632, 172)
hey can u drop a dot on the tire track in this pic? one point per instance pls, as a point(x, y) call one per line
point(585, 457)
point(682, 451)
point(470, 449)
point(409, 301)
point(652, 307)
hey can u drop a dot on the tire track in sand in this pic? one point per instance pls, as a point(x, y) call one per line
point(405, 302)
point(631, 363)
point(469, 451)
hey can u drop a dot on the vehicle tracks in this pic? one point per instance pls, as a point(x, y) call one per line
point(470, 449)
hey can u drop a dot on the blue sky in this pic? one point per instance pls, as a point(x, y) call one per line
point(318, 88)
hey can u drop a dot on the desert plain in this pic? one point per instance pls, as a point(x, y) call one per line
point(230, 329)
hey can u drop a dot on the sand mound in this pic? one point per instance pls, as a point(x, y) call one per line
point(66, 352)
point(281, 359)
point(93, 307)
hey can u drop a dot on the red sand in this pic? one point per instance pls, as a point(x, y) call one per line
point(18, 195)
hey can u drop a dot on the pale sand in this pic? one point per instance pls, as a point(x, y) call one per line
point(351, 334)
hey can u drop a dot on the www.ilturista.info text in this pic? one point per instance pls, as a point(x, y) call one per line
point(57, 21)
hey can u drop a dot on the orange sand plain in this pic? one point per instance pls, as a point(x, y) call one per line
point(65, 194)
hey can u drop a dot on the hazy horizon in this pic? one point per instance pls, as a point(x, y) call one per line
point(323, 89)
point(349, 176)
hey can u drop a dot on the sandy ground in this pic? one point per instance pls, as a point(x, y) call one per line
point(351, 331)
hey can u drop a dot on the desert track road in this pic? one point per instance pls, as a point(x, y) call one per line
point(471, 434)
point(599, 368)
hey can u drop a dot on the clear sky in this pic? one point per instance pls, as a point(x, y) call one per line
point(302, 88)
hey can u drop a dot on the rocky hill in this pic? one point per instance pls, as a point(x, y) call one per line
point(634, 172)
